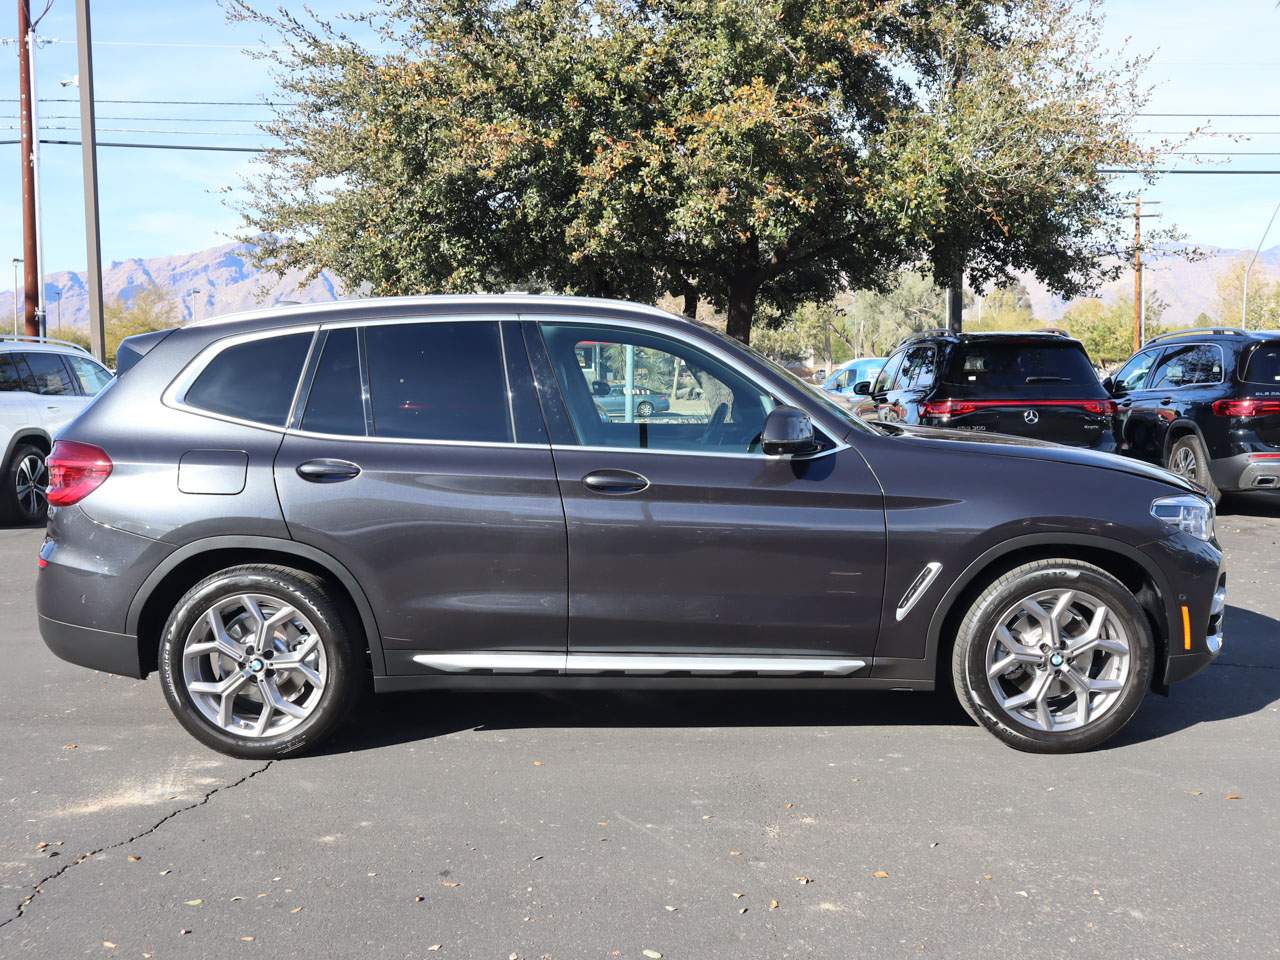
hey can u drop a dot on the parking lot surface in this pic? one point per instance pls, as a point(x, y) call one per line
point(627, 825)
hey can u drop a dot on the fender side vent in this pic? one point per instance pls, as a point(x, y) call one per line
point(917, 589)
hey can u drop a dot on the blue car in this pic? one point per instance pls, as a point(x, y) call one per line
point(843, 379)
point(612, 399)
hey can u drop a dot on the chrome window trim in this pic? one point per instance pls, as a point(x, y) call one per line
point(1222, 363)
point(781, 390)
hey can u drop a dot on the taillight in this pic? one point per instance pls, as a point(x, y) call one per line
point(949, 408)
point(1107, 407)
point(75, 471)
point(1245, 408)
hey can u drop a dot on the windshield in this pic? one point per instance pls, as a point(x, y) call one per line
point(1021, 368)
point(813, 392)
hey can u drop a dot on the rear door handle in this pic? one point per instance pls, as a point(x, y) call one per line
point(1165, 401)
point(615, 482)
point(328, 471)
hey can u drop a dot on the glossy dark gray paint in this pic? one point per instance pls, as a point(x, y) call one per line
point(502, 547)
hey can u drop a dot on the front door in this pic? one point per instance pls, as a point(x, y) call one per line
point(413, 460)
point(683, 537)
point(1136, 427)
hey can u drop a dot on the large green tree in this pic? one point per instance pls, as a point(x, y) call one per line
point(749, 153)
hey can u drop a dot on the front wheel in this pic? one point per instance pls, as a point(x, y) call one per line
point(644, 409)
point(1053, 657)
point(258, 662)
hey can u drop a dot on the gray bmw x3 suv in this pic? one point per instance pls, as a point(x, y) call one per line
point(267, 509)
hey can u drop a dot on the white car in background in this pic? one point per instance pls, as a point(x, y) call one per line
point(44, 384)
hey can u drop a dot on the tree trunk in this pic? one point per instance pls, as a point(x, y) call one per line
point(690, 301)
point(742, 309)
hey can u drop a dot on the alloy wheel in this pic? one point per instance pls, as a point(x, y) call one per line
point(32, 485)
point(1185, 464)
point(1058, 660)
point(254, 666)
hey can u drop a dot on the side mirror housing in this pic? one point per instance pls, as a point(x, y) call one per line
point(862, 388)
point(1109, 385)
point(600, 388)
point(788, 432)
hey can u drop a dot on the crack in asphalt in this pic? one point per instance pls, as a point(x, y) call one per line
point(1246, 666)
point(39, 887)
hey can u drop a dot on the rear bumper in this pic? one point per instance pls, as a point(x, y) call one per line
point(1246, 472)
point(87, 647)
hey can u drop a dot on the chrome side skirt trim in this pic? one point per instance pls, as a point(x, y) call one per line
point(638, 664)
point(918, 588)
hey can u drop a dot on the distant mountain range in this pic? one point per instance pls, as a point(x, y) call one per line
point(224, 279)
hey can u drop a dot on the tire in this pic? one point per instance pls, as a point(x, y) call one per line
point(1058, 675)
point(24, 479)
point(644, 409)
point(333, 658)
point(1189, 459)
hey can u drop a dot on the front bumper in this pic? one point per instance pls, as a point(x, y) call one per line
point(1184, 665)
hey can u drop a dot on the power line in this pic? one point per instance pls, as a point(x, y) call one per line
point(151, 146)
point(167, 103)
point(1199, 173)
point(180, 133)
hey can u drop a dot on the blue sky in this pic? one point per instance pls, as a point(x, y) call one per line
point(1210, 58)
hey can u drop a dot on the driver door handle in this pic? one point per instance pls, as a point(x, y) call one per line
point(328, 471)
point(615, 482)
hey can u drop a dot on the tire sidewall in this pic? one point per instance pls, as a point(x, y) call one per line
point(339, 653)
point(982, 620)
point(1204, 477)
point(12, 508)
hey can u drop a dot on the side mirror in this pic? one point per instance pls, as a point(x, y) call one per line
point(1109, 385)
point(862, 388)
point(599, 388)
point(788, 432)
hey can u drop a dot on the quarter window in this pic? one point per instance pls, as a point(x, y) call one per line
point(1264, 364)
point(92, 377)
point(630, 388)
point(1194, 364)
point(438, 381)
point(335, 403)
point(51, 376)
point(254, 381)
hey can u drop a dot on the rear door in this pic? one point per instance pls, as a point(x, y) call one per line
point(57, 395)
point(418, 458)
point(684, 538)
point(1185, 379)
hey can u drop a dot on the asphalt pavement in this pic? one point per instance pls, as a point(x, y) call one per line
point(626, 825)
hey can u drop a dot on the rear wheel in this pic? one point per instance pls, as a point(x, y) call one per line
point(1189, 460)
point(644, 409)
point(257, 662)
point(26, 484)
point(1053, 657)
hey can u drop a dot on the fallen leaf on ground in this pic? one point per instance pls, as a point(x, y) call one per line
point(735, 853)
point(1022, 893)
point(514, 956)
point(738, 896)
point(880, 875)
point(107, 944)
point(669, 908)
point(743, 910)
point(773, 904)
point(418, 899)
point(450, 883)
point(70, 746)
point(435, 946)
point(537, 763)
point(194, 903)
point(1195, 793)
point(247, 939)
point(1233, 796)
point(165, 873)
point(236, 899)
point(803, 879)
point(134, 858)
point(183, 932)
point(43, 844)
point(296, 910)
point(787, 806)
point(986, 876)
point(652, 954)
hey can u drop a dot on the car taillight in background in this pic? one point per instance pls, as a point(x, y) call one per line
point(956, 408)
point(1245, 408)
point(75, 471)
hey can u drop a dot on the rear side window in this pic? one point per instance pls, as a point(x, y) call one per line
point(335, 404)
point(252, 381)
point(1015, 366)
point(1264, 364)
point(51, 375)
point(91, 376)
point(438, 381)
point(1194, 364)
point(10, 378)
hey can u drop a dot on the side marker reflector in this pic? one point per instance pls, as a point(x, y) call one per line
point(1186, 627)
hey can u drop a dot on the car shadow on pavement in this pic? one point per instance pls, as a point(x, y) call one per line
point(1249, 505)
point(1245, 680)
point(388, 719)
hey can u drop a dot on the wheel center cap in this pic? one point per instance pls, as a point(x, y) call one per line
point(1057, 660)
point(257, 664)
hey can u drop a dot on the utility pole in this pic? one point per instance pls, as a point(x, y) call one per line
point(89, 158)
point(1139, 294)
point(31, 269)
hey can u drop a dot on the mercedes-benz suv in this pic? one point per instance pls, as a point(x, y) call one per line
point(270, 508)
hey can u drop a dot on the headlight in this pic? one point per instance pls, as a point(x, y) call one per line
point(1192, 514)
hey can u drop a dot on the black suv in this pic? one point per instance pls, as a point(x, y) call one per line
point(267, 509)
point(1206, 404)
point(1037, 384)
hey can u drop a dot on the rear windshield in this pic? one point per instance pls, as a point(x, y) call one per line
point(1264, 364)
point(1021, 368)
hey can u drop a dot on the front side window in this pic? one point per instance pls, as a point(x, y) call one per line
point(438, 381)
point(888, 374)
point(1133, 375)
point(52, 378)
point(10, 378)
point(92, 377)
point(254, 380)
point(634, 389)
point(1187, 366)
